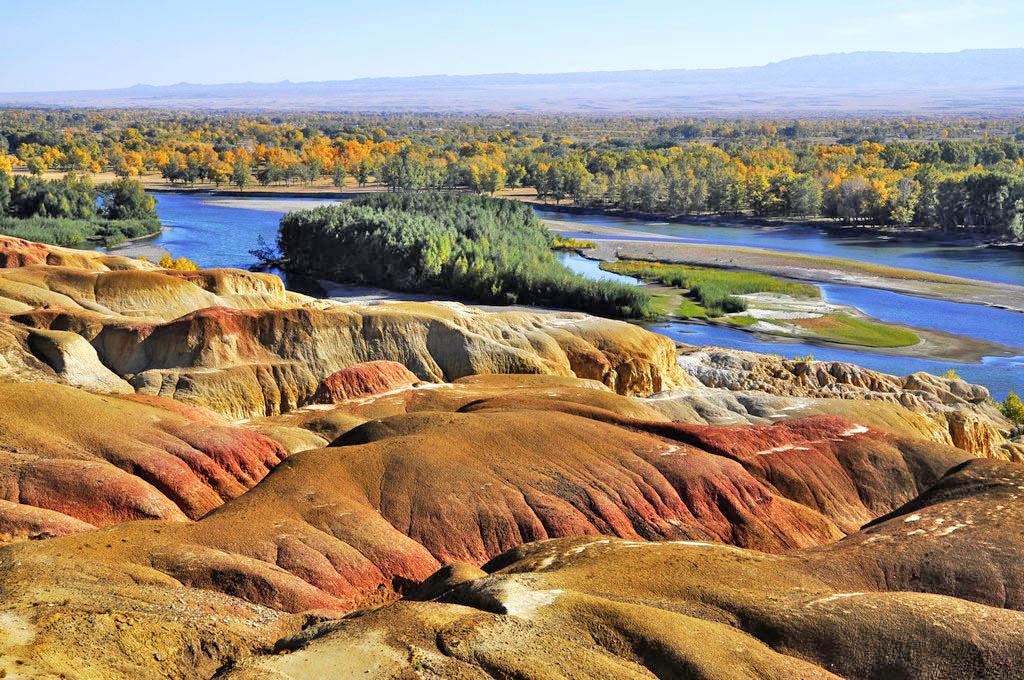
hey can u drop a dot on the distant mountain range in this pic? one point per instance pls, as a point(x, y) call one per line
point(967, 82)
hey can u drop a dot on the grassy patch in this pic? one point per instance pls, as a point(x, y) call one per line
point(741, 320)
point(565, 243)
point(714, 289)
point(849, 330)
point(61, 231)
point(691, 310)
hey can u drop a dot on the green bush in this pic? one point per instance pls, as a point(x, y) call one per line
point(475, 247)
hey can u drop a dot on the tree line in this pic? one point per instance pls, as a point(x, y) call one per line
point(958, 175)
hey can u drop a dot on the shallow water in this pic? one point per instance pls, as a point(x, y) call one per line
point(221, 236)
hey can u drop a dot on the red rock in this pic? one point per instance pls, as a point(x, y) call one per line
point(362, 380)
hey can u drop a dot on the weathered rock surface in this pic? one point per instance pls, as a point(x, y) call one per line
point(239, 343)
point(572, 501)
point(16, 252)
point(396, 497)
point(363, 380)
point(963, 409)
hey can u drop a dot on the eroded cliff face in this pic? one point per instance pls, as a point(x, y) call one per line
point(202, 473)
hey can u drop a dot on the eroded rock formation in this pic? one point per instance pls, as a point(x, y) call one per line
point(218, 472)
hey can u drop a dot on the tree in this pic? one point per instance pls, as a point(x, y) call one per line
point(1013, 408)
point(241, 175)
point(5, 192)
point(125, 199)
point(36, 166)
point(364, 171)
point(339, 175)
point(310, 169)
point(803, 196)
point(220, 172)
point(1015, 227)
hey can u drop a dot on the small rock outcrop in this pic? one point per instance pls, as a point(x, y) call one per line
point(363, 380)
point(964, 410)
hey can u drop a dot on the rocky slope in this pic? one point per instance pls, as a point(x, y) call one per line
point(204, 475)
point(932, 591)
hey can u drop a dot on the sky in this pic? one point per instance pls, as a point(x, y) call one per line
point(94, 44)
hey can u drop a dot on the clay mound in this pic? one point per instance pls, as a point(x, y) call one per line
point(632, 609)
point(363, 380)
point(962, 535)
point(153, 295)
point(247, 363)
point(104, 459)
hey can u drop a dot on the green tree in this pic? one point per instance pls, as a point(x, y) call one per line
point(125, 199)
point(5, 191)
point(310, 169)
point(364, 171)
point(339, 175)
point(803, 196)
point(36, 166)
point(241, 175)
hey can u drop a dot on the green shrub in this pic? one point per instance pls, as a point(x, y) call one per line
point(566, 243)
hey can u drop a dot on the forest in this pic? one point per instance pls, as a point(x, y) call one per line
point(72, 212)
point(958, 176)
point(474, 247)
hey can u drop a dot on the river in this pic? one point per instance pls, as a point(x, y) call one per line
point(1004, 265)
point(218, 235)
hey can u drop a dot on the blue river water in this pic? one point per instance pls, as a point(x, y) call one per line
point(999, 374)
point(215, 235)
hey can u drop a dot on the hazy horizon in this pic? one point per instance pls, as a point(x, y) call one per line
point(115, 43)
point(298, 81)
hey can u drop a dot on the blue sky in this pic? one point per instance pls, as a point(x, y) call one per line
point(85, 44)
